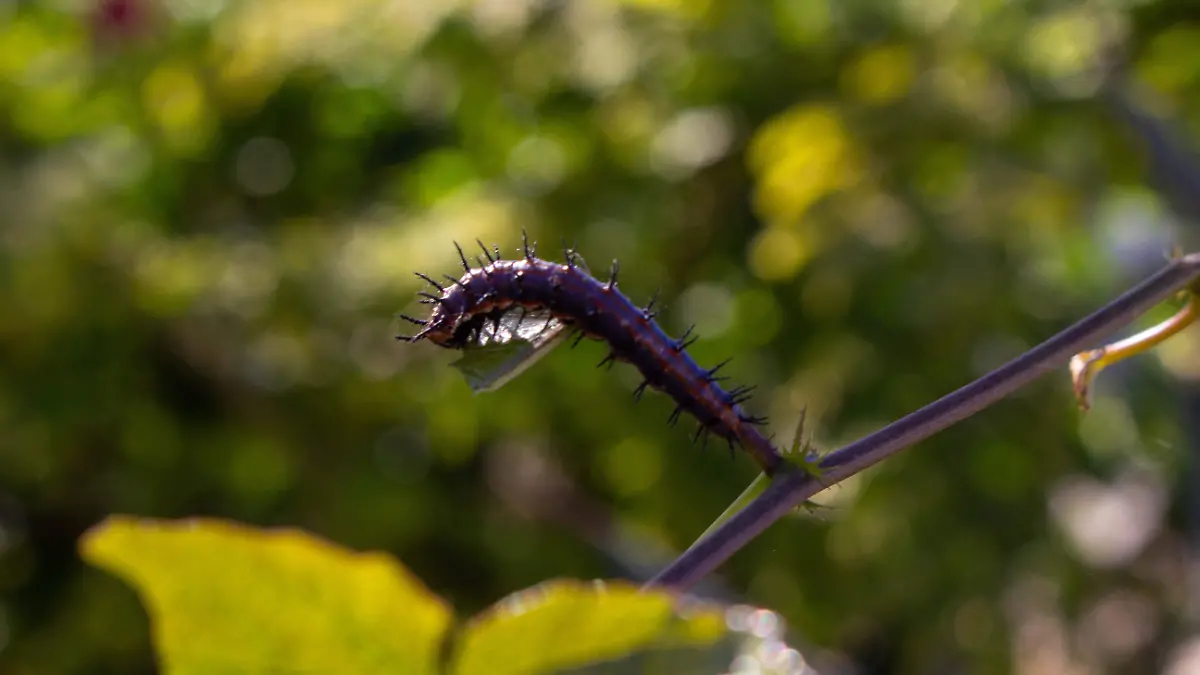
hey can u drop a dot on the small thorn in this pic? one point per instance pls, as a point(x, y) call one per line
point(674, 418)
point(568, 254)
point(742, 390)
point(432, 299)
point(419, 322)
point(649, 312)
point(800, 426)
point(751, 419)
point(487, 253)
point(454, 281)
point(463, 258)
point(578, 338)
point(741, 394)
point(732, 454)
point(700, 429)
point(686, 339)
point(641, 389)
point(612, 276)
point(610, 360)
point(427, 301)
point(530, 250)
point(431, 281)
point(712, 372)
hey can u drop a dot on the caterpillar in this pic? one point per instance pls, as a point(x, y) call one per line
point(463, 307)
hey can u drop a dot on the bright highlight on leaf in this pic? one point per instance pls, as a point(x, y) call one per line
point(224, 598)
point(562, 624)
point(511, 349)
point(1086, 366)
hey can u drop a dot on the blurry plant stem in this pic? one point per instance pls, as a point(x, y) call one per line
point(792, 486)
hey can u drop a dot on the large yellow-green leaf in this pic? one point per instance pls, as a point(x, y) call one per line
point(566, 624)
point(230, 599)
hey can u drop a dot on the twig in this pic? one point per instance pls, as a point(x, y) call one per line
point(793, 486)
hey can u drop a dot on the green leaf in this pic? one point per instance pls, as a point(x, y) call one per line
point(568, 624)
point(748, 495)
point(494, 365)
point(509, 348)
point(224, 598)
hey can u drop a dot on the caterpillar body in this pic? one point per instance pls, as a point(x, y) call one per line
point(464, 307)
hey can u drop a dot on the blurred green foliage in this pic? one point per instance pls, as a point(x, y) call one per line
point(229, 599)
point(226, 598)
point(210, 211)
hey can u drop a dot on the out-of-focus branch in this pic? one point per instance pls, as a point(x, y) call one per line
point(1174, 168)
point(793, 486)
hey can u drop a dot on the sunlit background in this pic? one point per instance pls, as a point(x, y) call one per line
point(211, 211)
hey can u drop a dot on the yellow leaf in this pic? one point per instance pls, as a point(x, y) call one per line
point(567, 624)
point(225, 598)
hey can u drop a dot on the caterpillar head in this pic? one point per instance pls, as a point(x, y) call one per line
point(444, 327)
point(454, 323)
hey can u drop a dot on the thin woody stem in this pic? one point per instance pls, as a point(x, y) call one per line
point(792, 486)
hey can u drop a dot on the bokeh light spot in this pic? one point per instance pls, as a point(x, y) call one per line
point(1065, 48)
point(882, 75)
point(802, 22)
point(175, 99)
point(709, 307)
point(537, 163)
point(440, 174)
point(264, 166)
point(799, 157)
point(759, 316)
point(777, 254)
point(693, 139)
point(631, 467)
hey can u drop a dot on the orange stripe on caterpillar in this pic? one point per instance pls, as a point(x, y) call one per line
point(597, 309)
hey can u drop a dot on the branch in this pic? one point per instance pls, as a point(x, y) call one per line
point(1173, 166)
point(793, 486)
